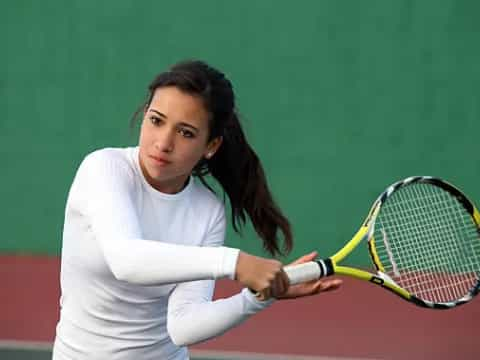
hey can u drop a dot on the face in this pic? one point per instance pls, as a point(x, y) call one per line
point(174, 138)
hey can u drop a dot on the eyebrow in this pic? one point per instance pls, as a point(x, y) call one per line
point(181, 123)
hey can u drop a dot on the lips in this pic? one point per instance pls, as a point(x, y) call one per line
point(159, 160)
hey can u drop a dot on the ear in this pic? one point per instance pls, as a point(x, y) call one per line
point(213, 147)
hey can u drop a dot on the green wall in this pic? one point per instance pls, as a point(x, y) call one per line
point(340, 99)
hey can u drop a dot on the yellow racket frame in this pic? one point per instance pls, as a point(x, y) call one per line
point(330, 266)
point(362, 235)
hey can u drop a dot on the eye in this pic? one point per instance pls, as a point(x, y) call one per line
point(186, 133)
point(155, 120)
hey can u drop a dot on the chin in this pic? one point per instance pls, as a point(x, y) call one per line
point(157, 175)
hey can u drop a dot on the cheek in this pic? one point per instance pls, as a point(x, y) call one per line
point(144, 136)
point(194, 154)
point(143, 143)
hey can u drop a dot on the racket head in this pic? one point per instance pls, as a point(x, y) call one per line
point(424, 237)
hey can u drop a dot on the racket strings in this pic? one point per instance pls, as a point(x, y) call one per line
point(428, 243)
point(452, 291)
point(449, 289)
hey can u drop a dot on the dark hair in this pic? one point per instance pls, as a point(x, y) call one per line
point(235, 165)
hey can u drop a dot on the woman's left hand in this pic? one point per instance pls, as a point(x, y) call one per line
point(311, 287)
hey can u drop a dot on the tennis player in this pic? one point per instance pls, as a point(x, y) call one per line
point(143, 234)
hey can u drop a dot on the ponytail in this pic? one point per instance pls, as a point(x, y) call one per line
point(237, 168)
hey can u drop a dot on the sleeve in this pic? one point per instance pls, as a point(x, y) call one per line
point(191, 303)
point(103, 191)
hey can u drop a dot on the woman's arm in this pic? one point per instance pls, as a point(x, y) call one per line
point(103, 191)
point(193, 317)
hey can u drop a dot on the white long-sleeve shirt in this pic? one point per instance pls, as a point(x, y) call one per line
point(138, 266)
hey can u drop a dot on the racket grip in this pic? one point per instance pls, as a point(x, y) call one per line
point(308, 271)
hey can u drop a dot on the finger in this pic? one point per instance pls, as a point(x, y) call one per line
point(301, 290)
point(334, 285)
point(327, 285)
point(305, 258)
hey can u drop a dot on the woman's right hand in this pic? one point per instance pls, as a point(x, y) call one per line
point(265, 276)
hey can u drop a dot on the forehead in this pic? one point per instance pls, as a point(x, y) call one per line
point(179, 106)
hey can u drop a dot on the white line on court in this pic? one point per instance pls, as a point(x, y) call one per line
point(230, 355)
point(210, 354)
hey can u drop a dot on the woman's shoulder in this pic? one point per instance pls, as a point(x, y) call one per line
point(109, 161)
point(115, 154)
point(110, 156)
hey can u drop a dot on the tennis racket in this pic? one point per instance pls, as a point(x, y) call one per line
point(423, 237)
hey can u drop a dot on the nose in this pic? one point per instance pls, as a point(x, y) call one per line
point(165, 140)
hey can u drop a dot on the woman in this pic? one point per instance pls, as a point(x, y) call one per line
point(142, 242)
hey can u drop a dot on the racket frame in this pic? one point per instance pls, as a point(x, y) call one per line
point(329, 266)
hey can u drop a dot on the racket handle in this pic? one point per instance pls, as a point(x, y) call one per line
point(308, 271)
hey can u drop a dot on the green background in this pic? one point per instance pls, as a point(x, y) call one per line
point(339, 98)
